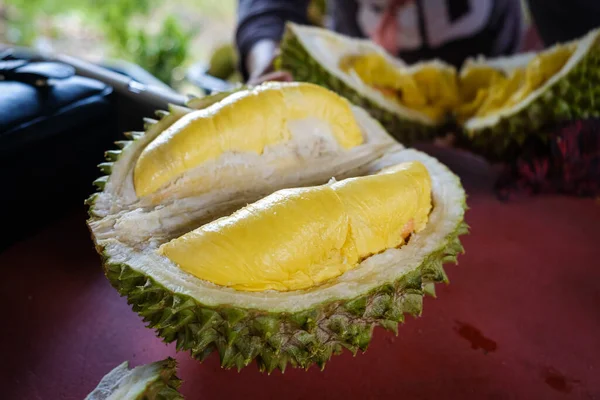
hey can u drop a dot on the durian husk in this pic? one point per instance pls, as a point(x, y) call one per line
point(154, 381)
point(408, 128)
point(573, 93)
point(278, 329)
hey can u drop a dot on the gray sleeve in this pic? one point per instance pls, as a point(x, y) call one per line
point(265, 19)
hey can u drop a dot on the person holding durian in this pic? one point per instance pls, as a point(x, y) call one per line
point(450, 30)
point(456, 72)
point(413, 30)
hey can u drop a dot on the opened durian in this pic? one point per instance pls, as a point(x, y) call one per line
point(496, 102)
point(154, 381)
point(279, 223)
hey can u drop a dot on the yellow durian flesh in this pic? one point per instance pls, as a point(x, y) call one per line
point(298, 238)
point(384, 208)
point(436, 91)
point(439, 85)
point(500, 91)
point(247, 121)
point(474, 85)
point(374, 70)
point(538, 71)
point(428, 89)
point(486, 90)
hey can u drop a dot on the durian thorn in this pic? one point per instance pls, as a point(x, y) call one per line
point(100, 183)
point(148, 122)
point(161, 114)
point(176, 109)
point(112, 155)
point(106, 167)
point(90, 201)
point(122, 143)
point(133, 135)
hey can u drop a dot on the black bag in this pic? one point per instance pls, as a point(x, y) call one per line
point(54, 129)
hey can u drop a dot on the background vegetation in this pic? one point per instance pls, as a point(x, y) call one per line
point(162, 37)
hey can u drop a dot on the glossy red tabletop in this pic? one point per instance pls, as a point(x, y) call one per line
point(520, 318)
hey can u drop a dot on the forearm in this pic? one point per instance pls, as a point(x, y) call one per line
point(260, 28)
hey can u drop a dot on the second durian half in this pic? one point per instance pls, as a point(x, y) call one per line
point(495, 103)
point(153, 381)
point(278, 224)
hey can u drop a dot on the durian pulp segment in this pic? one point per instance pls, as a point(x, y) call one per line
point(429, 89)
point(298, 238)
point(485, 90)
point(474, 86)
point(436, 91)
point(240, 124)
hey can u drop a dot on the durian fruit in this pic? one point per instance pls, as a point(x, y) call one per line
point(154, 381)
point(409, 107)
point(528, 93)
point(279, 223)
point(496, 102)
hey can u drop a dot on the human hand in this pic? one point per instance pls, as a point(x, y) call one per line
point(259, 64)
point(278, 76)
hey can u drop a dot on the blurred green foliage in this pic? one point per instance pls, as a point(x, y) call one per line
point(20, 15)
point(164, 51)
point(158, 52)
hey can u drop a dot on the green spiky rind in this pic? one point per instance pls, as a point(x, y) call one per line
point(149, 122)
point(136, 135)
point(575, 96)
point(296, 59)
point(159, 380)
point(429, 289)
point(112, 156)
point(199, 103)
point(167, 384)
point(106, 167)
point(276, 340)
point(101, 182)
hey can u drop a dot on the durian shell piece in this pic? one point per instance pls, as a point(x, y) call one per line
point(154, 381)
point(295, 57)
point(574, 93)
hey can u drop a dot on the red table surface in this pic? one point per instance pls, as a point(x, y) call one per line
point(519, 319)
